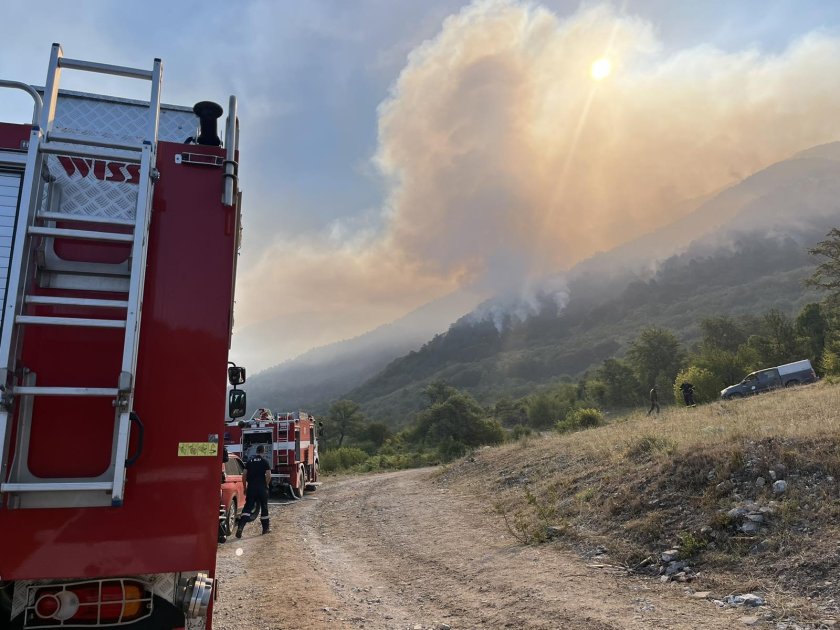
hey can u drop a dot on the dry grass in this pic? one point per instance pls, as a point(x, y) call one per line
point(641, 484)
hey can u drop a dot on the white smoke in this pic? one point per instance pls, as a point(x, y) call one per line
point(505, 161)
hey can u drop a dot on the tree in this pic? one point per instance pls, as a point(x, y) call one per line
point(543, 411)
point(438, 391)
point(376, 433)
point(453, 420)
point(827, 274)
point(510, 413)
point(345, 418)
point(778, 343)
point(728, 367)
point(812, 327)
point(723, 333)
point(656, 356)
point(621, 387)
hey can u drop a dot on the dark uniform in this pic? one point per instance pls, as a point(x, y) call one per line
point(256, 494)
point(688, 394)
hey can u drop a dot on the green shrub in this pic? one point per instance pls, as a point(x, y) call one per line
point(342, 458)
point(578, 419)
point(689, 545)
point(520, 431)
point(450, 449)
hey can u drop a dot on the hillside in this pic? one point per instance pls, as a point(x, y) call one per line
point(730, 497)
point(743, 251)
point(323, 374)
point(489, 363)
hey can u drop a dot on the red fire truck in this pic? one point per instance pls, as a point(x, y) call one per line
point(291, 447)
point(109, 422)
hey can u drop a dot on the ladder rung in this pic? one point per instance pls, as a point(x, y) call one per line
point(97, 153)
point(81, 322)
point(80, 281)
point(56, 486)
point(84, 218)
point(67, 391)
point(73, 301)
point(82, 235)
point(72, 138)
point(104, 68)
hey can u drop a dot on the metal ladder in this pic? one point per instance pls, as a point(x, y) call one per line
point(35, 226)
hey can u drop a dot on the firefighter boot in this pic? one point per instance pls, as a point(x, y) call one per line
point(266, 528)
point(239, 528)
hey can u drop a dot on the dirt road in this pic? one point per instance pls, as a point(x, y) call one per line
point(399, 550)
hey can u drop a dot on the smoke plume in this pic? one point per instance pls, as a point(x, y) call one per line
point(504, 160)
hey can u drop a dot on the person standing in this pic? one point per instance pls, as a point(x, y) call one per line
point(654, 400)
point(257, 481)
point(688, 393)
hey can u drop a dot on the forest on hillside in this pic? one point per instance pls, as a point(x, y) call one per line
point(601, 319)
point(450, 420)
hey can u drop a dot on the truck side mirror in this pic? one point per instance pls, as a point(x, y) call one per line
point(236, 403)
point(236, 375)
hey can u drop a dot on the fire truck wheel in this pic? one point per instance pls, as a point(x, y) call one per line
point(298, 492)
point(230, 516)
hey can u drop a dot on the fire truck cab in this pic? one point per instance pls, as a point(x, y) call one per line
point(290, 442)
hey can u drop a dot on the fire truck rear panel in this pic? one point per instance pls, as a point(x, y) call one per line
point(165, 522)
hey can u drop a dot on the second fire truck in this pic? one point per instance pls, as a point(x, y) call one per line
point(291, 447)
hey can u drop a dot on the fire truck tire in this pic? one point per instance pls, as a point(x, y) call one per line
point(298, 492)
point(230, 517)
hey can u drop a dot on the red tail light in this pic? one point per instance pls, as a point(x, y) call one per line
point(87, 604)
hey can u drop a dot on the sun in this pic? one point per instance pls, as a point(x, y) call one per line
point(601, 69)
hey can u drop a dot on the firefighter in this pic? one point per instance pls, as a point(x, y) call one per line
point(654, 400)
point(688, 394)
point(257, 480)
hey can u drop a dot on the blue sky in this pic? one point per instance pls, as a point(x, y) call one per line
point(312, 78)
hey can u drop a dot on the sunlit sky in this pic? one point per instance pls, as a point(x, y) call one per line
point(394, 151)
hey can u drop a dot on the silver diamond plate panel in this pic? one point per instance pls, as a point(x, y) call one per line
point(83, 186)
point(119, 119)
point(81, 192)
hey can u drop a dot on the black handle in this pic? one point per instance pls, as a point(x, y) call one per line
point(135, 419)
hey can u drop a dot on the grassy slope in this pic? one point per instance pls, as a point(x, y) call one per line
point(640, 485)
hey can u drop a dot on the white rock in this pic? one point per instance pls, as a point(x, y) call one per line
point(779, 486)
